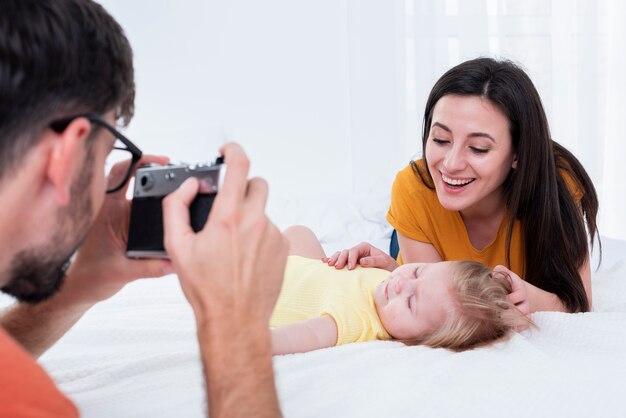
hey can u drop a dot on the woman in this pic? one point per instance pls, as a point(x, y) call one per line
point(493, 187)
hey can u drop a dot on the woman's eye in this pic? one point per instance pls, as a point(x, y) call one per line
point(440, 141)
point(477, 150)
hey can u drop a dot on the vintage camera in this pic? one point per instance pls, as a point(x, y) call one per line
point(152, 184)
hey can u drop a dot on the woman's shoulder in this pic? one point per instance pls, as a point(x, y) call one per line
point(412, 200)
point(414, 178)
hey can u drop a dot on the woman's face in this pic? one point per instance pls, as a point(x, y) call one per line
point(415, 299)
point(470, 153)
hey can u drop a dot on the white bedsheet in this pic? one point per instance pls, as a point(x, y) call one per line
point(136, 355)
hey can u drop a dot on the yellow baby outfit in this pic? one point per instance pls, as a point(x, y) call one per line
point(311, 289)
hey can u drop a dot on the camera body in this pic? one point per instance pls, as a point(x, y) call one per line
point(152, 184)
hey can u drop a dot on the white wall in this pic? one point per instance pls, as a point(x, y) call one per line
point(284, 78)
point(327, 95)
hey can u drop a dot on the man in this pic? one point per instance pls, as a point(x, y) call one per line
point(66, 79)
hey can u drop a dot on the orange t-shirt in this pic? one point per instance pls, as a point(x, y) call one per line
point(416, 213)
point(25, 388)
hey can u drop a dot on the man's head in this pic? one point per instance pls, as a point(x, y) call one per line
point(58, 59)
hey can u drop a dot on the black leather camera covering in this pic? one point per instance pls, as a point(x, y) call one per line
point(146, 221)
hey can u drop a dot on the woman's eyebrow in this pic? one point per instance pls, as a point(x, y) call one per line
point(483, 135)
point(472, 135)
point(442, 126)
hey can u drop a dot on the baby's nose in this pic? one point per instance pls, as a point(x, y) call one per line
point(400, 284)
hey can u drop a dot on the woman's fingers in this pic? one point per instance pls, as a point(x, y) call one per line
point(342, 259)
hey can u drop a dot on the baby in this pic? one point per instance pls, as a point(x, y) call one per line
point(456, 304)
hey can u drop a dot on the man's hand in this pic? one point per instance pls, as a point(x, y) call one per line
point(235, 265)
point(101, 267)
point(231, 272)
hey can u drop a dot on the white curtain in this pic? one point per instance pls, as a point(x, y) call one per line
point(574, 50)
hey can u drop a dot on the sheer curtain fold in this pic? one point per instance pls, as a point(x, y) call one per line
point(612, 187)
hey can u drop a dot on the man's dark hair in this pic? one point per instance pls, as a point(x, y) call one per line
point(58, 58)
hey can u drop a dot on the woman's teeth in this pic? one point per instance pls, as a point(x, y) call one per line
point(456, 182)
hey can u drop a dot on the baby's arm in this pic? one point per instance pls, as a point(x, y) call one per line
point(304, 336)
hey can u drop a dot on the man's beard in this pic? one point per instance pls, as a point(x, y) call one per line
point(37, 273)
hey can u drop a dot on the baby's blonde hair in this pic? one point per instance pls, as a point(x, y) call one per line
point(482, 315)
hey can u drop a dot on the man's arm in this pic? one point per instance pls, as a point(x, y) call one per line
point(304, 336)
point(231, 272)
point(237, 359)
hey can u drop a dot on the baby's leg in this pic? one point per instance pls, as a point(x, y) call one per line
point(303, 242)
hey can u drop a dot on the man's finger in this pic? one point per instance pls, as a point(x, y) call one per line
point(256, 196)
point(150, 268)
point(176, 211)
point(233, 189)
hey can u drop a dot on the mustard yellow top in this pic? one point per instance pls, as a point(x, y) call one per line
point(416, 213)
point(312, 289)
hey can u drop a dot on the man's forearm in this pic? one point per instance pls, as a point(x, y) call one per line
point(237, 358)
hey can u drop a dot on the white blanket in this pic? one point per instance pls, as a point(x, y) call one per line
point(136, 354)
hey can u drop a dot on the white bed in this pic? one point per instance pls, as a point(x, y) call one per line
point(136, 355)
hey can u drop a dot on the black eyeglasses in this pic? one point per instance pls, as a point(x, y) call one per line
point(120, 151)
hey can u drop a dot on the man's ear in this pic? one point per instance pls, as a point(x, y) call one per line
point(66, 154)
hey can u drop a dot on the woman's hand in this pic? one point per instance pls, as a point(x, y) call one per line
point(364, 254)
point(519, 293)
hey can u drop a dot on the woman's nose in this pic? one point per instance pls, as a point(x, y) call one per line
point(455, 160)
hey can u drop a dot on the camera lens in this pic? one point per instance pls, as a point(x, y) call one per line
point(146, 181)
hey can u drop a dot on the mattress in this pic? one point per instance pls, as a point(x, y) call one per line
point(136, 355)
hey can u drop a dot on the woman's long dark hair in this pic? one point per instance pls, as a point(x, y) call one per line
point(554, 237)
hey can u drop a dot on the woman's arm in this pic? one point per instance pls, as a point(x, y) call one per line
point(417, 252)
point(367, 255)
point(540, 300)
point(304, 336)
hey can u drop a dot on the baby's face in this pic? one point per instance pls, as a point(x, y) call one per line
point(415, 299)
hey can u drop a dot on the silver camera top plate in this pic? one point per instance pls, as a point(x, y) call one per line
point(161, 180)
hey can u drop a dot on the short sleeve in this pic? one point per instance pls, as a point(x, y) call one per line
point(408, 209)
point(573, 186)
point(355, 324)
